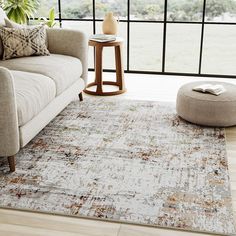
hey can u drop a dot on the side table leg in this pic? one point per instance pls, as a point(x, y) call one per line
point(119, 67)
point(98, 69)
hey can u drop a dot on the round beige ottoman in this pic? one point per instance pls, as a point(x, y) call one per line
point(207, 109)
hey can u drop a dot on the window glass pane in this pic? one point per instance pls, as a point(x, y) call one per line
point(109, 52)
point(221, 10)
point(86, 27)
point(183, 48)
point(45, 6)
point(184, 10)
point(146, 40)
point(219, 50)
point(74, 9)
point(118, 7)
point(147, 10)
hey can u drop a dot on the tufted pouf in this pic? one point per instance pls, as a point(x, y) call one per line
point(207, 109)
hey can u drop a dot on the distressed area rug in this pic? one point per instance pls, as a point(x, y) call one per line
point(129, 161)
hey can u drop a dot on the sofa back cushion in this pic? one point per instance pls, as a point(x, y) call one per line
point(23, 41)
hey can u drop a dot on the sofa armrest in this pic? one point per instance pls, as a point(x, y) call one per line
point(69, 42)
point(9, 130)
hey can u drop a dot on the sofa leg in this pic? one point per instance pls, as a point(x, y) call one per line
point(12, 164)
point(81, 96)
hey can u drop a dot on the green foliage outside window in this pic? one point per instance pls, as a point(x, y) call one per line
point(215, 8)
point(183, 10)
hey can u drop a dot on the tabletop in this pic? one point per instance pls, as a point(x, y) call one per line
point(117, 42)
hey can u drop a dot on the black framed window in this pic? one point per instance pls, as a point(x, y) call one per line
point(180, 37)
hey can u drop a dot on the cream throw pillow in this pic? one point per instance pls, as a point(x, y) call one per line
point(2, 17)
point(12, 24)
point(23, 42)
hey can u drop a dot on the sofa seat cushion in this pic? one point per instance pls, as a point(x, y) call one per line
point(63, 70)
point(33, 93)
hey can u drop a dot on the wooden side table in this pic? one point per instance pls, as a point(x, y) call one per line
point(98, 69)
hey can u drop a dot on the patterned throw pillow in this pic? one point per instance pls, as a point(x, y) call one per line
point(23, 42)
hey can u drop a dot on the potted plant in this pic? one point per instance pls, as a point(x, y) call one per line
point(50, 21)
point(20, 11)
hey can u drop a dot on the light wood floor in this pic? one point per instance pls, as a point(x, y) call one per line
point(141, 87)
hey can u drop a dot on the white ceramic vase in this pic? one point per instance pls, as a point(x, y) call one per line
point(110, 24)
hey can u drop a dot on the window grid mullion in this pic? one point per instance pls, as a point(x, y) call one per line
point(202, 36)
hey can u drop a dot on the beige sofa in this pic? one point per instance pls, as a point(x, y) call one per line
point(33, 90)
